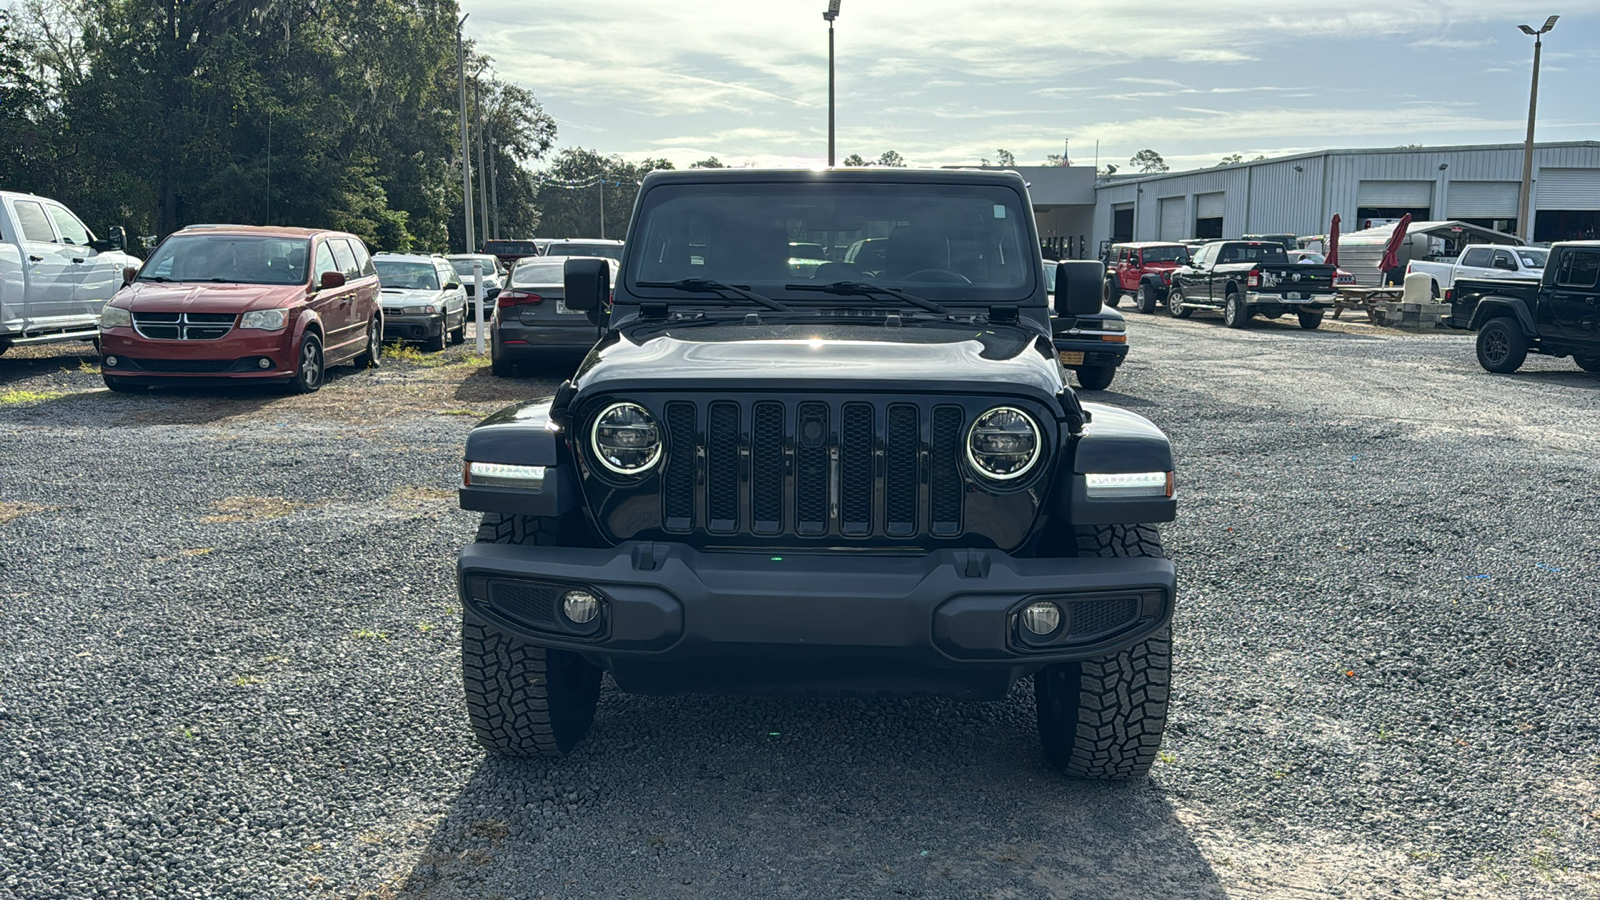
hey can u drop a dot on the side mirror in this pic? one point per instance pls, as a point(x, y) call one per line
point(587, 283)
point(129, 273)
point(331, 280)
point(450, 286)
point(491, 293)
point(1079, 283)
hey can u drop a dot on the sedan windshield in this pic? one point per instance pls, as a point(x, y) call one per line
point(945, 242)
point(408, 276)
point(530, 272)
point(228, 258)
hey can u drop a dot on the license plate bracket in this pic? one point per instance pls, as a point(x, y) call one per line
point(1070, 357)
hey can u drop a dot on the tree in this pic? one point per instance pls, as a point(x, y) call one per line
point(892, 159)
point(855, 159)
point(576, 183)
point(1148, 161)
point(711, 162)
point(1005, 158)
point(1232, 159)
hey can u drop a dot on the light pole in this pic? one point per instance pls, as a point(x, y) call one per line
point(830, 15)
point(466, 188)
point(1525, 219)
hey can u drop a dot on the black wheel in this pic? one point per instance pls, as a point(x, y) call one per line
point(524, 700)
point(1234, 313)
point(122, 385)
point(369, 356)
point(1145, 301)
point(502, 368)
point(435, 343)
point(1588, 363)
point(1096, 378)
point(1502, 347)
point(1310, 320)
point(1175, 307)
point(1112, 295)
point(309, 372)
point(1103, 717)
point(459, 335)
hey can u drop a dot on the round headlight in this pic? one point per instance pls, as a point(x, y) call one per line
point(625, 439)
point(1003, 443)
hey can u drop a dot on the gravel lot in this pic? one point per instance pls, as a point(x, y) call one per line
point(229, 662)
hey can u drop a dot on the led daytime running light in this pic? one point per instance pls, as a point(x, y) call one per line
point(482, 474)
point(1110, 486)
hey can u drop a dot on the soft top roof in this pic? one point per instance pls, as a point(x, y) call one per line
point(1143, 244)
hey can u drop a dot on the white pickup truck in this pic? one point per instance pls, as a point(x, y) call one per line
point(1483, 261)
point(54, 274)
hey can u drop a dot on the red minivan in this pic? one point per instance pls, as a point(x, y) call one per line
point(243, 303)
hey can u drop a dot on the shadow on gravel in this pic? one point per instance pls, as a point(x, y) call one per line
point(483, 386)
point(1575, 378)
point(805, 797)
point(176, 404)
point(1114, 398)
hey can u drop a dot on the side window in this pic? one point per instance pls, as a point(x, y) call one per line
point(1477, 257)
point(35, 225)
point(363, 259)
point(345, 259)
point(1579, 269)
point(325, 263)
point(1133, 259)
point(446, 273)
point(72, 231)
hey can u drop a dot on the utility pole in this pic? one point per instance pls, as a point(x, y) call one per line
point(1525, 217)
point(602, 207)
point(483, 187)
point(830, 15)
point(466, 151)
point(494, 195)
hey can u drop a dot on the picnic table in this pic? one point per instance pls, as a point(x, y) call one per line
point(1364, 298)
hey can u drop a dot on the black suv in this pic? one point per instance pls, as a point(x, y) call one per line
point(766, 481)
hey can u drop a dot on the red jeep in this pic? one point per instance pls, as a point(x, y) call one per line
point(1143, 269)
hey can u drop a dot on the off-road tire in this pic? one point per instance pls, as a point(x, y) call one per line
point(122, 386)
point(1175, 307)
point(1112, 295)
point(435, 342)
point(1502, 346)
point(1096, 378)
point(1103, 717)
point(1588, 363)
point(1145, 300)
point(1310, 320)
point(310, 368)
point(369, 357)
point(523, 700)
point(1234, 313)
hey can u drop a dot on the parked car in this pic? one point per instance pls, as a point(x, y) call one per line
point(1144, 269)
point(55, 275)
point(423, 299)
point(1283, 239)
point(1557, 315)
point(867, 254)
point(611, 250)
point(243, 303)
point(508, 252)
point(531, 320)
point(1250, 278)
point(1091, 345)
point(493, 278)
point(756, 483)
point(1484, 262)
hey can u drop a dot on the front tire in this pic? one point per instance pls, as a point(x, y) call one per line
point(1310, 320)
point(368, 358)
point(524, 700)
point(309, 372)
point(1502, 347)
point(1103, 717)
point(435, 343)
point(1096, 378)
point(122, 386)
point(1175, 307)
point(459, 335)
point(1145, 301)
point(1112, 295)
point(1234, 313)
point(1588, 363)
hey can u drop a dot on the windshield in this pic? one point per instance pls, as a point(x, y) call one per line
point(946, 242)
point(1166, 255)
point(571, 248)
point(230, 258)
point(529, 273)
point(1533, 259)
point(407, 276)
point(464, 266)
point(1239, 253)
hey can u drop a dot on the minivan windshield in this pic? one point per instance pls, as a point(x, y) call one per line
point(947, 242)
point(228, 258)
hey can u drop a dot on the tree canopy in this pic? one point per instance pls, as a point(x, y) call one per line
point(1148, 161)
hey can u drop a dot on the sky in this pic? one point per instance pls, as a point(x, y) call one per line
point(944, 82)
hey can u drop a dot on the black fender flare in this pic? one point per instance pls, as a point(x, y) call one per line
point(523, 435)
point(1114, 442)
point(1493, 307)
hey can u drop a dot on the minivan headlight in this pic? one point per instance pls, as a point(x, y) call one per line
point(265, 319)
point(626, 439)
point(1003, 443)
point(114, 317)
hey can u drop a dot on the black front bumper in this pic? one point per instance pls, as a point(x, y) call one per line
point(1095, 352)
point(412, 328)
point(677, 619)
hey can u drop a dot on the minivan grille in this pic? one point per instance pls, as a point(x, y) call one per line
point(812, 469)
point(172, 326)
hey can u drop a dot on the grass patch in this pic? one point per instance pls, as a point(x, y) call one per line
point(1166, 758)
point(408, 353)
point(462, 412)
point(246, 680)
point(88, 368)
point(198, 551)
point(250, 509)
point(18, 398)
point(416, 494)
point(10, 512)
point(367, 634)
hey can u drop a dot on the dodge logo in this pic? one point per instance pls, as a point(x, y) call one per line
point(1297, 276)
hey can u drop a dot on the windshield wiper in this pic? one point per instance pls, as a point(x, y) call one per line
point(704, 286)
point(865, 289)
point(159, 278)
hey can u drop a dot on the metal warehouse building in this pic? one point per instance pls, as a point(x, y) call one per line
point(1300, 194)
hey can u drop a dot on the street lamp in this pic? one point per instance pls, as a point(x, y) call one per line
point(830, 15)
point(1525, 220)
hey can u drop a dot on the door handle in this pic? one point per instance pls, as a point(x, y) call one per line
point(77, 259)
point(35, 259)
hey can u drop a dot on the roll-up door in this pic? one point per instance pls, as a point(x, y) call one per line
point(1568, 189)
point(1208, 206)
point(1172, 220)
point(1387, 194)
point(1482, 200)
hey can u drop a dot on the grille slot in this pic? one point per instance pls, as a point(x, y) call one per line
point(811, 470)
point(766, 468)
point(722, 468)
point(1092, 617)
point(900, 471)
point(678, 479)
point(856, 441)
point(944, 481)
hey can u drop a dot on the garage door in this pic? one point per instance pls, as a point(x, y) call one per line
point(1172, 219)
point(1208, 206)
point(1482, 200)
point(1402, 194)
point(1568, 189)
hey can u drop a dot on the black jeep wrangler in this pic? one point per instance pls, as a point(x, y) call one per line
point(763, 479)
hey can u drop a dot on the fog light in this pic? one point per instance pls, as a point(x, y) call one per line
point(1041, 618)
point(264, 363)
point(581, 607)
point(111, 361)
